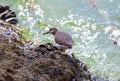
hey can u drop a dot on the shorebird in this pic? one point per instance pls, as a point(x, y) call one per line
point(61, 38)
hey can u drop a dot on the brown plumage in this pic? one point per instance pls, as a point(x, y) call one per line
point(61, 38)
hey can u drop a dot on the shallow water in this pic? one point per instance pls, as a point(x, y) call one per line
point(93, 30)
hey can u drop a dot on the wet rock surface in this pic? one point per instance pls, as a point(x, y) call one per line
point(41, 63)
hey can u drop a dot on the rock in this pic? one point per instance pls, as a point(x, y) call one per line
point(41, 63)
point(45, 62)
point(7, 15)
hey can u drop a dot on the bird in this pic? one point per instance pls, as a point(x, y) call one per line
point(61, 38)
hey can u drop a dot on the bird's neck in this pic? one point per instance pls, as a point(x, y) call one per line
point(54, 32)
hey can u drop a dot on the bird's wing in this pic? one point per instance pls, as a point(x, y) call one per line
point(68, 39)
point(63, 39)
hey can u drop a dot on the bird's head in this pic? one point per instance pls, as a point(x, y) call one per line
point(51, 31)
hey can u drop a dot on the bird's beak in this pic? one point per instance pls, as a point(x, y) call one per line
point(46, 33)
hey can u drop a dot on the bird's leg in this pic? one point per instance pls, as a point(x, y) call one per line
point(70, 52)
point(61, 51)
point(61, 46)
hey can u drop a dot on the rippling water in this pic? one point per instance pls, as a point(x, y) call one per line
point(94, 30)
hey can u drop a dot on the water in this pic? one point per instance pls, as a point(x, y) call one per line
point(93, 30)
